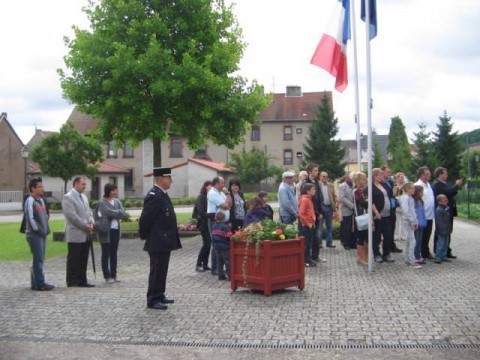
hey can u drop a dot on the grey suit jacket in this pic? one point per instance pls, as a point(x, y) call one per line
point(345, 196)
point(77, 216)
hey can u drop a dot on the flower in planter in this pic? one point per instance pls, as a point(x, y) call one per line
point(266, 230)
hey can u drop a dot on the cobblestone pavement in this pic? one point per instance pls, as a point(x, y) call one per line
point(344, 311)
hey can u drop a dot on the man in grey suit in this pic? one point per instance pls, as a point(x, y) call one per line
point(78, 227)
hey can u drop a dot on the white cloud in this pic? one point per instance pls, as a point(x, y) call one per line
point(425, 59)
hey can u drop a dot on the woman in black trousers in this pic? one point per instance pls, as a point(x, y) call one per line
point(200, 213)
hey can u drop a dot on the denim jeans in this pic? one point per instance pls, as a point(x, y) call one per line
point(223, 260)
point(409, 243)
point(37, 247)
point(109, 255)
point(309, 235)
point(418, 243)
point(287, 219)
point(327, 220)
point(442, 247)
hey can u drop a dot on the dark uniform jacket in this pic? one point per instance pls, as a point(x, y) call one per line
point(158, 223)
point(449, 191)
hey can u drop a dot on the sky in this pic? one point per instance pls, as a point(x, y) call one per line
point(425, 60)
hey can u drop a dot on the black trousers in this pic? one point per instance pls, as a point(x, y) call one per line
point(427, 232)
point(383, 227)
point(346, 232)
point(77, 260)
point(202, 259)
point(109, 255)
point(158, 276)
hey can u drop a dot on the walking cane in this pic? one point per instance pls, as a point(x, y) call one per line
point(93, 257)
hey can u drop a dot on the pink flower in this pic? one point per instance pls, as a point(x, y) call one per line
point(279, 231)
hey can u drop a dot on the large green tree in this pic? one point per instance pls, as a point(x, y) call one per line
point(377, 157)
point(321, 147)
point(398, 148)
point(447, 146)
point(252, 166)
point(424, 147)
point(149, 68)
point(66, 154)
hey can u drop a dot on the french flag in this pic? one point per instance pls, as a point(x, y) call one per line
point(331, 51)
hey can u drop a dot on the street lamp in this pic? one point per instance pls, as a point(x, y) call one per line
point(24, 153)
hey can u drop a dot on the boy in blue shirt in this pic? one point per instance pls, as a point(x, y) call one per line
point(221, 242)
point(442, 228)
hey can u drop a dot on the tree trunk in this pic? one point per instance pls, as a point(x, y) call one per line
point(65, 186)
point(157, 152)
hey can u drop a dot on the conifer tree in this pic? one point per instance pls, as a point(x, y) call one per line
point(447, 147)
point(398, 147)
point(425, 154)
point(321, 147)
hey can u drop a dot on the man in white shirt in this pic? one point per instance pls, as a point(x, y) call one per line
point(217, 200)
point(423, 176)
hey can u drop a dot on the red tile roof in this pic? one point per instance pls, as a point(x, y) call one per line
point(84, 123)
point(291, 108)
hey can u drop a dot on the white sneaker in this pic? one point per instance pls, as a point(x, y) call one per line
point(109, 281)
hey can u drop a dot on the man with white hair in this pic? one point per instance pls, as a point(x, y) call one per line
point(288, 205)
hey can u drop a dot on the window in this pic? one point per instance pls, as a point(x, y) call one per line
point(112, 180)
point(298, 130)
point(287, 133)
point(127, 151)
point(299, 154)
point(128, 181)
point(176, 148)
point(287, 157)
point(111, 150)
point(255, 133)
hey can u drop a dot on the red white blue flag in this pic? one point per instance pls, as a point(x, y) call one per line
point(331, 51)
point(372, 11)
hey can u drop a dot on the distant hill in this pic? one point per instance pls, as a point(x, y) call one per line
point(470, 137)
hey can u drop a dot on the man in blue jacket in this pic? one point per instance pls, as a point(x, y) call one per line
point(158, 227)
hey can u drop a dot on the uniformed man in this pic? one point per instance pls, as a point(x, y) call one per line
point(158, 227)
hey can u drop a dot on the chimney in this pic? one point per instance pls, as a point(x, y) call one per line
point(293, 91)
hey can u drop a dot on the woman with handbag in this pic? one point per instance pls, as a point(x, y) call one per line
point(107, 226)
point(360, 202)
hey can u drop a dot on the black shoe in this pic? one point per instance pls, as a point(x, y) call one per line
point(316, 260)
point(396, 250)
point(199, 268)
point(331, 246)
point(87, 285)
point(166, 300)
point(206, 268)
point(313, 264)
point(158, 306)
point(45, 287)
point(222, 277)
point(437, 261)
point(450, 256)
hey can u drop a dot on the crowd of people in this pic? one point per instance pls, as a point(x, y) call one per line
point(401, 210)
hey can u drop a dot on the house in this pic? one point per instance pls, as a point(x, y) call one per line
point(280, 132)
point(12, 167)
point(107, 171)
point(351, 152)
point(189, 176)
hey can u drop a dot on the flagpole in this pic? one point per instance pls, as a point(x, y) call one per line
point(369, 127)
point(355, 71)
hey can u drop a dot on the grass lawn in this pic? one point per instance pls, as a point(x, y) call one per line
point(14, 246)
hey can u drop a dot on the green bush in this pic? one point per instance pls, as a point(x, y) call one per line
point(184, 201)
point(55, 206)
point(93, 204)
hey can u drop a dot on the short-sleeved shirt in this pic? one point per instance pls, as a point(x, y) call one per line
point(215, 198)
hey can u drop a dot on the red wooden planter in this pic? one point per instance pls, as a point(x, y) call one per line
point(280, 265)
